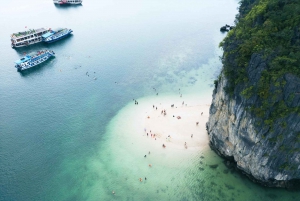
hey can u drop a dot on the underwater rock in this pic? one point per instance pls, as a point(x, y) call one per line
point(213, 166)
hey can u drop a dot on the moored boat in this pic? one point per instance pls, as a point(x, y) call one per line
point(30, 61)
point(61, 2)
point(53, 36)
point(26, 38)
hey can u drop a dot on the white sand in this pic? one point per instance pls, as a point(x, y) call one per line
point(174, 132)
point(125, 151)
point(128, 138)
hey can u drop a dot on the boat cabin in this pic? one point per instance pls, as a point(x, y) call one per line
point(27, 37)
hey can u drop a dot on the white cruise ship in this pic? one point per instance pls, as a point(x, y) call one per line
point(26, 38)
point(67, 1)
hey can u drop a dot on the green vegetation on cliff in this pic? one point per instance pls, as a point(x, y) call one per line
point(271, 29)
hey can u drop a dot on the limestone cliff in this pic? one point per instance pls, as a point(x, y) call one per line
point(254, 116)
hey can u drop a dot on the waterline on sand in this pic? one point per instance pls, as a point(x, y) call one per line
point(139, 163)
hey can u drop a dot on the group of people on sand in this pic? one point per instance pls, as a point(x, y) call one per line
point(140, 179)
point(152, 135)
point(135, 102)
point(163, 145)
point(162, 112)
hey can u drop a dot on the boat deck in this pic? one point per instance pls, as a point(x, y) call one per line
point(26, 33)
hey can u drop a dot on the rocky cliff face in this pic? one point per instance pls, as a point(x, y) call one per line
point(268, 154)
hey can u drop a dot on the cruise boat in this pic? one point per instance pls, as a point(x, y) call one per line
point(61, 2)
point(53, 36)
point(30, 61)
point(26, 38)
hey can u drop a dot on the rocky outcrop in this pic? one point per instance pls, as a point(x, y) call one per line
point(268, 154)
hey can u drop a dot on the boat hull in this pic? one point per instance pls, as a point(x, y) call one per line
point(66, 2)
point(33, 63)
point(27, 44)
point(64, 36)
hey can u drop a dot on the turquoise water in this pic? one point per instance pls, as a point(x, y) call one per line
point(62, 132)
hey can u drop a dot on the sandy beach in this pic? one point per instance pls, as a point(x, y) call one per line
point(134, 155)
point(150, 123)
point(177, 127)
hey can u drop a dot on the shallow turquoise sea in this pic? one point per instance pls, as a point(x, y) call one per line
point(62, 123)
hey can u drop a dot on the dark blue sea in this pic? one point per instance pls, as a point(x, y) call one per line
point(61, 123)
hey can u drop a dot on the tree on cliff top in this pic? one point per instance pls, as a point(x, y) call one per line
point(270, 28)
